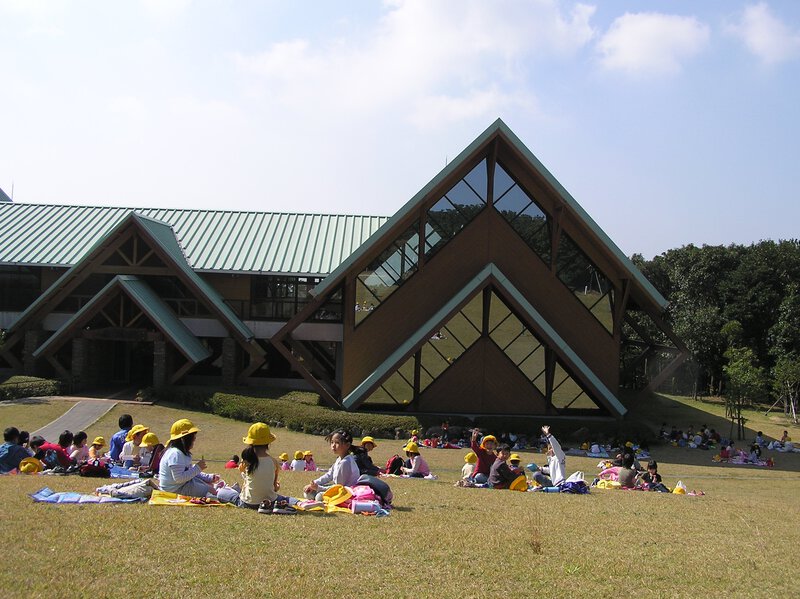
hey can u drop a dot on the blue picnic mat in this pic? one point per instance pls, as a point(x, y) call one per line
point(47, 495)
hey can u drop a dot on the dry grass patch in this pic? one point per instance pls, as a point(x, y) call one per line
point(440, 541)
point(31, 414)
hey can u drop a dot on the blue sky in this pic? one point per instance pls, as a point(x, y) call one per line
point(671, 122)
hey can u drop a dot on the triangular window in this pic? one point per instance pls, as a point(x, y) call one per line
point(522, 213)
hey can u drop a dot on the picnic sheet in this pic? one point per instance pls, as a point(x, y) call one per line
point(47, 495)
point(165, 498)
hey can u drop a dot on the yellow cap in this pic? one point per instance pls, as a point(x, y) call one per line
point(336, 494)
point(307, 454)
point(258, 434)
point(514, 458)
point(368, 440)
point(284, 456)
point(414, 432)
point(411, 447)
point(30, 466)
point(99, 441)
point(150, 440)
point(181, 428)
point(137, 428)
point(471, 457)
point(487, 438)
point(520, 484)
point(298, 455)
point(629, 444)
point(679, 491)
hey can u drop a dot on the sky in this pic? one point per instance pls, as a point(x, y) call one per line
point(671, 122)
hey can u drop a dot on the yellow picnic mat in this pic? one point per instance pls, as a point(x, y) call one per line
point(166, 498)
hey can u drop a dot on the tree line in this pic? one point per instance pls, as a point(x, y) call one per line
point(737, 308)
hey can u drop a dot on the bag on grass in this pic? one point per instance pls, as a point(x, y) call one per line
point(394, 465)
point(95, 469)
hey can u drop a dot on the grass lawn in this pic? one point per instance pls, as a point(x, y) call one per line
point(439, 541)
point(31, 414)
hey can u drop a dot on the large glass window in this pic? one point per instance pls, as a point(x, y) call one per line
point(586, 281)
point(384, 275)
point(456, 209)
point(280, 298)
point(522, 213)
point(518, 343)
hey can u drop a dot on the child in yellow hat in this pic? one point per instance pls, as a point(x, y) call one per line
point(130, 450)
point(485, 452)
point(308, 458)
point(284, 458)
point(363, 459)
point(469, 465)
point(177, 473)
point(150, 449)
point(298, 463)
point(419, 467)
point(95, 450)
point(260, 473)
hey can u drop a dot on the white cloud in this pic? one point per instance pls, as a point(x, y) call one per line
point(429, 60)
point(765, 35)
point(651, 42)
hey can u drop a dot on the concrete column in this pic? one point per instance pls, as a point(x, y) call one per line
point(80, 362)
point(159, 363)
point(228, 362)
point(32, 341)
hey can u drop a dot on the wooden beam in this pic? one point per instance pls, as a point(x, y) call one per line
point(63, 372)
point(10, 358)
point(134, 270)
point(181, 372)
point(310, 379)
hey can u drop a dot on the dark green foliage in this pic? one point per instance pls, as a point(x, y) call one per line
point(709, 286)
point(28, 386)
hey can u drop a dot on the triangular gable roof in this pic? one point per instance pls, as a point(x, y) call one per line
point(497, 128)
point(551, 337)
point(162, 234)
point(149, 303)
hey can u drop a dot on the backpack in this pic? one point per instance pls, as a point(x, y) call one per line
point(96, 469)
point(50, 459)
point(393, 465)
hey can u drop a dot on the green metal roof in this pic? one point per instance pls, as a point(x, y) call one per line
point(160, 233)
point(212, 240)
point(403, 352)
point(151, 304)
point(497, 127)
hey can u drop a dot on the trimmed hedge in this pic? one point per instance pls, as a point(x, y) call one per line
point(295, 410)
point(28, 386)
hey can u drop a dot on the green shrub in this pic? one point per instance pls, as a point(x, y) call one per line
point(312, 419)
point(295, 410)
point(28, 386)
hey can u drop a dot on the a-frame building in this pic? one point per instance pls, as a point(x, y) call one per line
point(490, 292)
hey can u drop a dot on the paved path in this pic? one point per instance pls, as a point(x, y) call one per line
point(79, 417)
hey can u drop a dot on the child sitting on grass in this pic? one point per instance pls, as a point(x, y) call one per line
point(284, 458)
point(78, 452)
point(419, 467)
point(311, 465)
point(130, 450)
point(554, 473)
point(259, 471)
point(363, 459)
point(96, 448)
point(501, 476)
point(150, 454)
point(233, 463)
point(485, 453)
point(298, 463)
point(513, 463)
point(344, 470)
point(469, 466)
point(177, 474)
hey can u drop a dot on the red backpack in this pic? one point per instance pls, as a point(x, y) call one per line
point(393, 465)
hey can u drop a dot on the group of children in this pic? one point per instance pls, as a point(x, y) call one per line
point(136, 448)
point(492, 464)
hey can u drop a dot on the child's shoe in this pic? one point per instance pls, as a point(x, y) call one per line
point(282, 506)
point(266, 507)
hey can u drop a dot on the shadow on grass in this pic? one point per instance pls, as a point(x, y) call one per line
point(27, 401)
